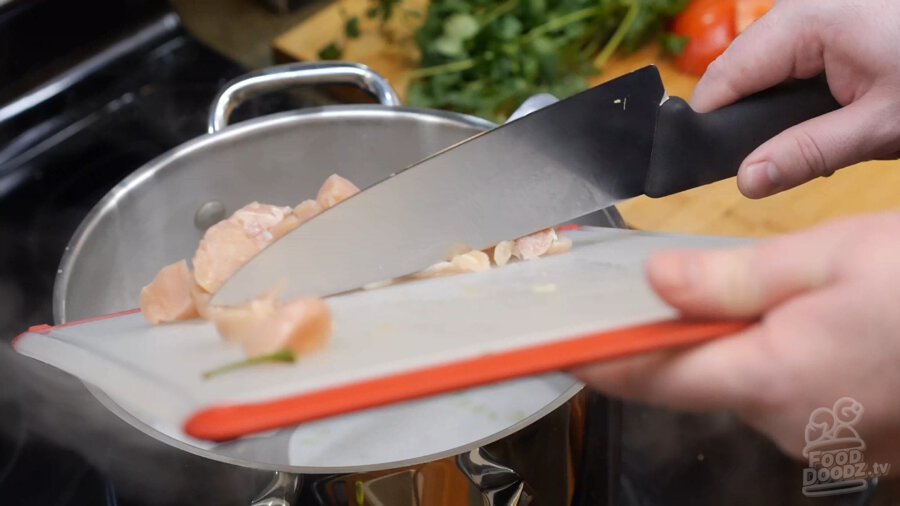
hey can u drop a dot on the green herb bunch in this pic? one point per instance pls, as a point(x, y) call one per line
point(485, 57)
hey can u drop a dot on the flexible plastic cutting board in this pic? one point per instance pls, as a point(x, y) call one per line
point(391, 344)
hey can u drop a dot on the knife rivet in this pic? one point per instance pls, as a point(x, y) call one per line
point(208, 214)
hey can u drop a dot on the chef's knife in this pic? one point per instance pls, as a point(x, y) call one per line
point(618, 140)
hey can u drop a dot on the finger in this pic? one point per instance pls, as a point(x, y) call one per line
point(744, 282)
point(861, 131)
point(722, 374)
point(780, 45)
point(890, 156)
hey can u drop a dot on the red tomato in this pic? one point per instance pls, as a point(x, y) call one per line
point(709, 26)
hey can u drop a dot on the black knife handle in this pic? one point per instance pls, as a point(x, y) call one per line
point(692, 149)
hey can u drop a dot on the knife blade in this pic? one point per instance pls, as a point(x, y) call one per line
point(618, 140)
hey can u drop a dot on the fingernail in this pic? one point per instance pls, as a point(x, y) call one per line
point(763, 176)
point(675, 271)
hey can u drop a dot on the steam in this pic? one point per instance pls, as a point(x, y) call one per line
point(710, 458)
point(53, 406)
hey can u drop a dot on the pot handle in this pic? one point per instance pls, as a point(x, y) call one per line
point(499, 485)
point(283, 490)
point(282, 76)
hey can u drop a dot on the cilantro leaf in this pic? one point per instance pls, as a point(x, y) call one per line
point(351, 27)
point(484, 57)
point(331, 52)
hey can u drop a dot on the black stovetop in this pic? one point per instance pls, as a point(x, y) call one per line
point(89, 92)
point(60, 155)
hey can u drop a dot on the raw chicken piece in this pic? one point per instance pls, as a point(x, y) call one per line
point(503, 251)
point(545, 242)
point(201, 299)
point(473, 261)
point(375, 285)
point(290, 222)
point(302, 326)
point(236, 324)
point(560, 245)
point(434, 271)
point(307, 209)
point(229, 244)
point(534, 245)
point(168, 297)
point(528, 247)
point(262, 221)
point(334, 190)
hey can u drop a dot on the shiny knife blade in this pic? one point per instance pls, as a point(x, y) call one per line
point(559, 163)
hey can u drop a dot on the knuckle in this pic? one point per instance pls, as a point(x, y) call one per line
point(809, 55)
point(811, 155)
point(724, 71)
point(880, 134)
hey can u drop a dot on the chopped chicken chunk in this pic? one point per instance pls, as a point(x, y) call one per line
point(334, 190)
point(281, 229)
point(307, 209)
point(201, 299)
point(503, 251)
point(302, 326)
point(168, 297)
point(473, 261)
point(534, 245)
point(434, 271)
point(560, 245)
point(229, 244)
point(236, 324)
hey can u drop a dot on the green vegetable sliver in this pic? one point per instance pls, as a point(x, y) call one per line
point(618, 36)
point(284, 356)
point(498, 11)
point(456, 66)
point(560, 22)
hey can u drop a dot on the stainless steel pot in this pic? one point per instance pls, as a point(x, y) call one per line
point(158, 214)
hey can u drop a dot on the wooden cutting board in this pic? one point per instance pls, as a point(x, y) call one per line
point(715, 209)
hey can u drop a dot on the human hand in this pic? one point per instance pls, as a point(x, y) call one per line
point(829, 327)
point(854, 42)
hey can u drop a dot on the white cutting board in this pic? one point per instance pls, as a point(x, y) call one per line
point(416, 334)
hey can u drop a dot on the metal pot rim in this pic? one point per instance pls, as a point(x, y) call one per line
point(232, 132)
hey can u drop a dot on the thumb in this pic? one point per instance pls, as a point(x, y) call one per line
point(745, 282)
point(861, 131)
